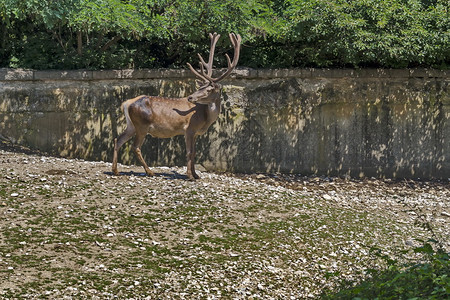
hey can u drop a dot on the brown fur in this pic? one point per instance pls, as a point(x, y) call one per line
point(167, 117)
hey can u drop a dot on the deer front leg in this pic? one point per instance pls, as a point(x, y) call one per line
point(190, 156)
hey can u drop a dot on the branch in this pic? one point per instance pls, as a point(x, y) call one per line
point(110, 43)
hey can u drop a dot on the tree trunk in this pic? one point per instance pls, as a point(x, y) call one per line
point(3, 36)
point(79, 43)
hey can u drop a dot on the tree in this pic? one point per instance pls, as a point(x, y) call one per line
point(276, 33)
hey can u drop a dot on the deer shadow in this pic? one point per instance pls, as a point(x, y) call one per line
point(172, 175)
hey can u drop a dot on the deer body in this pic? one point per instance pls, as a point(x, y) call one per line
point(167, 117)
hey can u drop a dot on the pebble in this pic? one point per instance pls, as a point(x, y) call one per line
point(326, 197)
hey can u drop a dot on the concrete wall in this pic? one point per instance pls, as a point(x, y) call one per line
point(383, 123)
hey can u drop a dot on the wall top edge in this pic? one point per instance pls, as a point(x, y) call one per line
point(7, 74)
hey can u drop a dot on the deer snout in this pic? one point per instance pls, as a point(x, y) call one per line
point(191, 99)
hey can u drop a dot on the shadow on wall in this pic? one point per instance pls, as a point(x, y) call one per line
point(79, 118)
point(357, 126)
point(112, 122)
point(375, 128)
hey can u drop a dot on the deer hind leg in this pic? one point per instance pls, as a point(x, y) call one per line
point(190, 156)
point(118, 142)
point(138, 141)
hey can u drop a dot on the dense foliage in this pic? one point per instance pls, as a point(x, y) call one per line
point(95, 34)
point(428, 279)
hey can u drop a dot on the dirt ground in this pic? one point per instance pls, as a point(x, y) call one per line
point(69, 228)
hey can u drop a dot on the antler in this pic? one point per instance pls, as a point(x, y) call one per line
point(236, 41)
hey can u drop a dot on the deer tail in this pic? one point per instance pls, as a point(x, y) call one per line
point(125, 105)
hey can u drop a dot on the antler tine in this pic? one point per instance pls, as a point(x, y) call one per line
point(228, 60)
point(202, 61)
point(202, 68)
point(214, 38)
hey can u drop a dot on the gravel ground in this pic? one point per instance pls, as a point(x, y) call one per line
point(69, 229)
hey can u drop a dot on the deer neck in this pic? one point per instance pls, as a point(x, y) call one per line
point(213, 109)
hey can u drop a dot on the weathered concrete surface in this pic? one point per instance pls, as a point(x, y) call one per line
point(383, 123)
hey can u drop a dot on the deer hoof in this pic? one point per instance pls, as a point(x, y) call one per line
point(193, 176)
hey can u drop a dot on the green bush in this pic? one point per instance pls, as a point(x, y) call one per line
point(95, 34)
point(427, 279)
point(385, 33)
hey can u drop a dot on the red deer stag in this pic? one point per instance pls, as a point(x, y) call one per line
point(167, 117)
